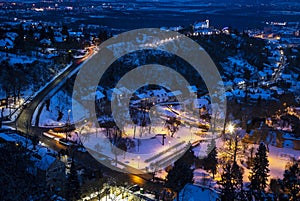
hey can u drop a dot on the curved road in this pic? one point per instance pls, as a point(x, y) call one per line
point(23, 121)
point(23, 124)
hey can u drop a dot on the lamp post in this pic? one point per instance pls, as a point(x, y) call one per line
point(232, 131)
point(139, 161)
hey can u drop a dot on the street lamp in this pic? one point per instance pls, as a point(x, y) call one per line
point(68, 121)
point(230, 128)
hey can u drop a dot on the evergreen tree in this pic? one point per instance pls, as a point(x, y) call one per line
point(291, 182)
point(232, 182)
point(228, 190)
point(237, 175)
point(189, 157)
point(180, 175)
point(259, 172)
point(72, 184)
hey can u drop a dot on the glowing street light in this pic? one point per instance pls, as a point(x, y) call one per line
point(69, 111)
point(230, 128)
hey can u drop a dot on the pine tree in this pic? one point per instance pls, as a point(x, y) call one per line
point(180, 175)
point(72, 184)
point(259, 172)
point(291, 182)
point(232, 182)
point(188, 157)
point(228, 190)
point(237, 175)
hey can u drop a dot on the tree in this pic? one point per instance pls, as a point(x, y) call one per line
point(228, 190)
point(291, 182)
point(188, 157)
point(259, 172)
point(17, 178)
point(232, 182)
point(180, 175)
point(237, 175)
point(172, 124)
point(72, 184)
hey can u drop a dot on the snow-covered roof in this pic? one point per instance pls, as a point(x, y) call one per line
point(21, 139)
point(12, 35)
point(262, 74)
point(201, 24)
point(116, 91)
point(159, 92)
point(42, 151)
point(125, 90)
point(192, 89)
point(277, 89)
point(37, 35)
point(99, 95)
point(174, 93)
point(228, 84)
point(238, 93)
point(238, 80)
point(200, 102)
point(286, 76)
point(6, 42)
point(58, 39)
point(142, 96)
point(7, 138)
point(74, 33)
point(45, 41)
point(45, 162)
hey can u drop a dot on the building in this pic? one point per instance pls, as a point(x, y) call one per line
point(201, 24)
point(46, 166)
point(48, 169)
point(194, 192)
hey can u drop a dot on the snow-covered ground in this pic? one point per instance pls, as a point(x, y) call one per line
point(16, 59)
point(278, 159)
point(148, 154)
point(13, 110)
point(60, 102)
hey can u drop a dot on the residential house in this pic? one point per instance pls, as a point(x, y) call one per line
point(48, 168)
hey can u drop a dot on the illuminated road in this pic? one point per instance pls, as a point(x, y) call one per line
point(23, 124)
